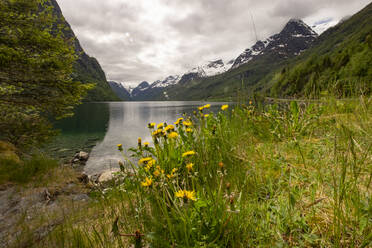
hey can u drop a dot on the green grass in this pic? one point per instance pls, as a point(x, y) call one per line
point(13, 171)
point(298, 175)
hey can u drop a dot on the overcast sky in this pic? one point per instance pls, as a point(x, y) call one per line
point(137, 40)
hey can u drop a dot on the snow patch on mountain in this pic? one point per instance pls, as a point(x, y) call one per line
point(287, 43)
point(170, 80)
point(321, 26)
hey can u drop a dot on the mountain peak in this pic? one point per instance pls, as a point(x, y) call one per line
point(295, 37)
point(143, 84)
point(297, 27)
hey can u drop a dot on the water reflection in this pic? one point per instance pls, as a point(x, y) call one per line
point(80, 132)
point(128, 121)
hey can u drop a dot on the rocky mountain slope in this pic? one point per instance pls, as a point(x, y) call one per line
point(120, 90)
point(146, 91)
point(87, 69)
point(217, 78)
point(255, 69)
point(247, 69)
point(295, 37)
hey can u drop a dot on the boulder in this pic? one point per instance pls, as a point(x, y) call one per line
point(83, 156)
point(107, 175)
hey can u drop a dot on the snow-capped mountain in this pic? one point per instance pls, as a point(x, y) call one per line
point(139, 89)
point(294, 38)
point(170, 80)
point(319, 28)
point(212, 68)
point(208, 69)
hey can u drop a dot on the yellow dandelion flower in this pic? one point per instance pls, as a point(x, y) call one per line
point(189, 130)
point(120, 147)
point(155, 133)
point(189, 166)
point(189, 153)
point(159, 169)
point(151, 162)
point(187, 123)
point(151, 125)
point(190, 195)
point(160, 125)
point(207, 106)
point(250, 102)
point(201, 108)
point(169, 128)
point(206, 116)
point(146, 144)
point(147, 182)
point(173, 135)
point(145, 160)
point(186, 194)
point(179, 121)
point(224, 107)
point(157, 173)
point(180, 194)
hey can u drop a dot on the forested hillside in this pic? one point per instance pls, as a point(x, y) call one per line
point(339, 63)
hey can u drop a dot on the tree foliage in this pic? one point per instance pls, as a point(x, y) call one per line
point(36, 64)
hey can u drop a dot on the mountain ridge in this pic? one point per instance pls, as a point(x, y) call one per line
point(87, 69)
point(294, 38)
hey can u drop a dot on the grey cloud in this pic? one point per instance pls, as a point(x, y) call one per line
point(151, 39)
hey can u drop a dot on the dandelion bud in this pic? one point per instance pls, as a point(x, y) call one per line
point(139, 141)
point(120, 147)
point(220, 164)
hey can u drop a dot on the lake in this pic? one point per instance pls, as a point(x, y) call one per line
point(99, 127)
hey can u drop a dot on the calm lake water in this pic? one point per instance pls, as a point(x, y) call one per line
point(115, 123)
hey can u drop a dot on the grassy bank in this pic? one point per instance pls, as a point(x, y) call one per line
point(248, 177)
